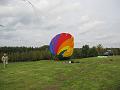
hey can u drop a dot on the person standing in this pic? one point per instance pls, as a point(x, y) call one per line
point(5, 59)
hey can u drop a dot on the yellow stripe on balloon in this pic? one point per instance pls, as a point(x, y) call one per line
point(64, 48)
point(68, 52)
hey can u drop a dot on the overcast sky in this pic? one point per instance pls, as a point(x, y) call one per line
point(89, 21)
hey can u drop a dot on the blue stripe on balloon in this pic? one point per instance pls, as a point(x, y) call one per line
point(53, 44)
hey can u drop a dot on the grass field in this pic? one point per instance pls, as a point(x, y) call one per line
point(89, 74)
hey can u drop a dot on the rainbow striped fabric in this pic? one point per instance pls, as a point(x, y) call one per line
point(62, 45)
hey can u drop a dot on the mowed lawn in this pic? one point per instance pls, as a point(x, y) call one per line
point(89, 74)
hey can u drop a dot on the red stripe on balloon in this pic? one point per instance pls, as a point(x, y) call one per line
point(63, 37)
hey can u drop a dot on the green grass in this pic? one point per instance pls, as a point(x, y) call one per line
point(89, 74)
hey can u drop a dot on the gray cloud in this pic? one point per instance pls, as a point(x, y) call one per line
point(90, 21)
point(4, 2)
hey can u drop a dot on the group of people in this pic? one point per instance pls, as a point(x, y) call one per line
point(5, 60)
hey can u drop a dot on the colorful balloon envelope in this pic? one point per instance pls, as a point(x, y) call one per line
point(62, 46)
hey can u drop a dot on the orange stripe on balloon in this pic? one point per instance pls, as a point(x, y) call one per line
point(68, 42)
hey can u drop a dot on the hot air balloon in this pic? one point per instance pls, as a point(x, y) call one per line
point(62, 46)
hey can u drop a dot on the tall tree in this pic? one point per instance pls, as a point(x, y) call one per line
point(85, 51)
point(100, 49)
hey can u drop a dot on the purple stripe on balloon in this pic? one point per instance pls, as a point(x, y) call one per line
point(53, 44)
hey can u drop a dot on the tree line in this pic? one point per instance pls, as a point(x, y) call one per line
point(17, 54)
point(94, 51)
